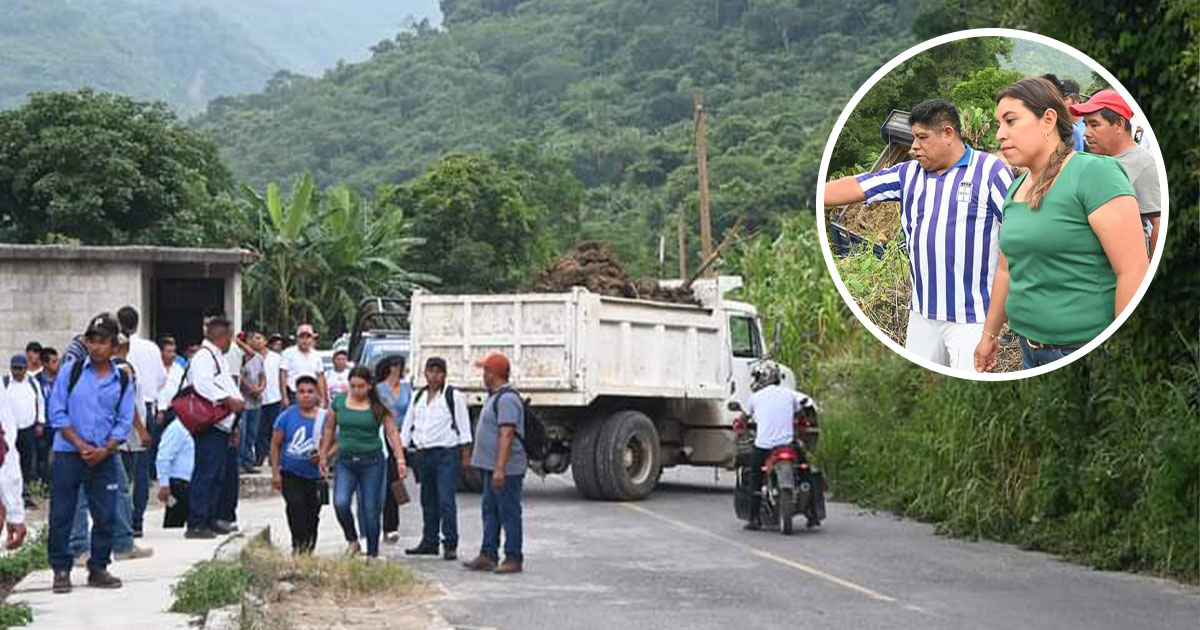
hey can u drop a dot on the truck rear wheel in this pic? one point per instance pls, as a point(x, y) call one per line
point(583, 460)
point(628, 458)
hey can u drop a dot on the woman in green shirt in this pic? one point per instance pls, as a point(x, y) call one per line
point(353, 433)
point(1072, 252)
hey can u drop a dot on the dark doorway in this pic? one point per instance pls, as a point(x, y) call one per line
point(179, 306)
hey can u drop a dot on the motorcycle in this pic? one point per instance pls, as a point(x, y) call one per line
point(791, 485)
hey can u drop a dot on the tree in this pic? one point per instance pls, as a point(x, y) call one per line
point(480, 233)
point(103, 169)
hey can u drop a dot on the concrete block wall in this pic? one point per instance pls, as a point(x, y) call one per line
point(51, 301)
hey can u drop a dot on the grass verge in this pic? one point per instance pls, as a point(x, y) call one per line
point(209, 584)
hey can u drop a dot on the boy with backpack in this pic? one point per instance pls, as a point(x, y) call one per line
point(92, 418)
point(438, 427)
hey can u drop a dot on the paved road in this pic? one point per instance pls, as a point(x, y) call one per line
point(681, 560)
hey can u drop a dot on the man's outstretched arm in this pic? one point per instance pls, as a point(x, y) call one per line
point(844, 191)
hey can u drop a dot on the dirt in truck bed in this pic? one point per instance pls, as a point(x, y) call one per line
point(593, 266)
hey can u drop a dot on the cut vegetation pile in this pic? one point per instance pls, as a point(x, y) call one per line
point(877, 222)
point(592, 265)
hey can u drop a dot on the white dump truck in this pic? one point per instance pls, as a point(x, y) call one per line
point(625, 387)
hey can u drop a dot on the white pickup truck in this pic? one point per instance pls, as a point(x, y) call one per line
point(626, 387)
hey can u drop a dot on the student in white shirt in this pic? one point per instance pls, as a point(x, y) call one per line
point(337, 379)
point(272, 398)
point(11, 486)
point(438, 426)
point(28, 409)
point(302, 359)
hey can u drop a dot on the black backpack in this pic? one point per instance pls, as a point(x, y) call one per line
point(533, 439)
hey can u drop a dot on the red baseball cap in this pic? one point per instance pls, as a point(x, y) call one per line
point(495, 363)
point(1104, 99)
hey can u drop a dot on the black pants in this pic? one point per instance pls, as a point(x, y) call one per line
point(227, 504)
point(175, 515)
point(303, 511)
point(27, 447)
point(391, 511)
point(754, 481)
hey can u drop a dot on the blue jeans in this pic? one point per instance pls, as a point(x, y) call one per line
point(208, 478)
point(137, 470)
point(502, 510)
point(122, 529)
point(266, 425)
point(100, 483)
point(439, 467)
point(247, 451)
point(364, 473)
point(227, 504)
point(1031, 358)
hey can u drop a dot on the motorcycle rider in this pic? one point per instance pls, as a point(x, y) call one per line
point(773, 409)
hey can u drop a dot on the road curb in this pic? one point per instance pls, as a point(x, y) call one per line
point(230, 617)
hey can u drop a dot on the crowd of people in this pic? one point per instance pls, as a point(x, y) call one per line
point(1051, 235)
point(106, 425)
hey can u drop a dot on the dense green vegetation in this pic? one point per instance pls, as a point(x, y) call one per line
point(604, 87)
point(183, 55)
point(103, 169)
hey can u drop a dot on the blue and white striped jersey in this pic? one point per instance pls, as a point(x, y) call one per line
point(951, 225)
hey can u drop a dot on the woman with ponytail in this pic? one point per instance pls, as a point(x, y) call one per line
point(1072, 252)
point(353, 432)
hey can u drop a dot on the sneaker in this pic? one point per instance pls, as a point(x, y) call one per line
point(391, 538)
point(202, 534)
point(752, 526)
point(450, 554)
point(136, 553)
point(62, 581)
point(223, 527)
point(510, 565)
point(102, 579)
point(353, 549)
point(422, 550)
point(481, 563)
point(82, 560)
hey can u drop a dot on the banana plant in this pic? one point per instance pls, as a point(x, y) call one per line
point(275, 279)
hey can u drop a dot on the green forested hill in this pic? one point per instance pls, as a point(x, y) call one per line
point(601, 86)
point(180, 54)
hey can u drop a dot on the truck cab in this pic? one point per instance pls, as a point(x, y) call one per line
point(746, 347)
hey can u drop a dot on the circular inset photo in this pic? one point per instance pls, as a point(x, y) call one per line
point(993, 204)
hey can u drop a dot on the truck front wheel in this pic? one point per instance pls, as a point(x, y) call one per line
point(628, 458)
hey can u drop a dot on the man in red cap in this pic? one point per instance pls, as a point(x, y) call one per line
point(500, 455)
point(1109, 132)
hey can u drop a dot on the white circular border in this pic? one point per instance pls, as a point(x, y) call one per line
point(823, 174)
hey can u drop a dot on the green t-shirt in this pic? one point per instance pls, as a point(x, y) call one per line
point(358, 431)
point(1062, 289)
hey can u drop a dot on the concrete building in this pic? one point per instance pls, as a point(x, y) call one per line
point(49, 292)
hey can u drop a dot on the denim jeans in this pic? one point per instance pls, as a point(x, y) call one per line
point(248, 449)
point(227, 504)
point(100, 484)
point(502, 510)
point(208, 478)
point(1031, 358)
point(266, 425)
point(365, 474)
point(122, 527)
point(27, 451)
point(137, 470)
point(439, 468)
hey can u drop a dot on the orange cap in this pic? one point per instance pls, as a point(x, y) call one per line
point(496, 363)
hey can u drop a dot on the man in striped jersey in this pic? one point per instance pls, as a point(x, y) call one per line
point(951, 198)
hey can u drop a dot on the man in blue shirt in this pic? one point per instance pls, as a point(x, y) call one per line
point(92, 419)
point(1069, 90)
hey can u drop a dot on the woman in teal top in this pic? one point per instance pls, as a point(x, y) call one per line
point(353, 433)
point(1072, 252)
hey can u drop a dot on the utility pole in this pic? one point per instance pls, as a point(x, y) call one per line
point(683, 271)
point(706, 244)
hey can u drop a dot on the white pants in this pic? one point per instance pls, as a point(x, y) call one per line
point(944, 343)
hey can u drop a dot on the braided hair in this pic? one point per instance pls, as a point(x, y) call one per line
point(1039, 95)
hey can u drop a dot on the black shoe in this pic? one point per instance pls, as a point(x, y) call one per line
point(137, 533)
point(450, 554)
point(753, 526)
point(249, 470)
point(62, 581)
point(30, 504)
point(422, 550)
point(103, 579)
point(222, 527)
point(202, 534)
